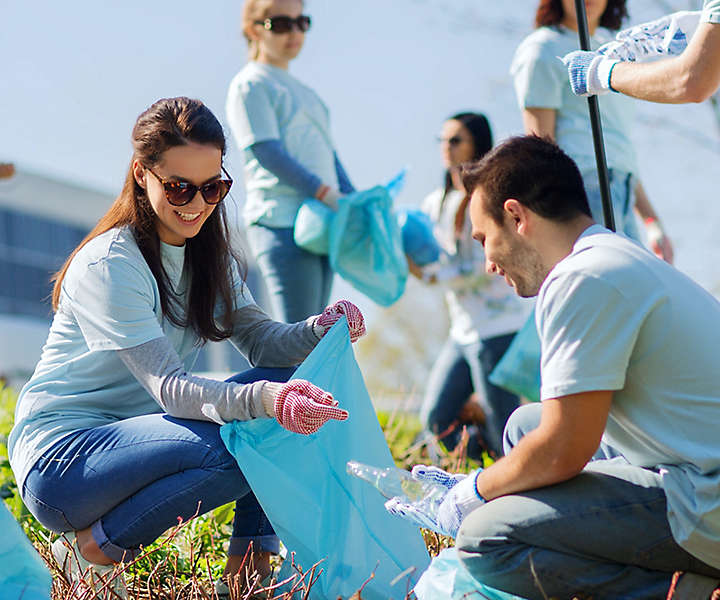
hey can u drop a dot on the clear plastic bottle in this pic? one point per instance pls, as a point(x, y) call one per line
point(393, 482)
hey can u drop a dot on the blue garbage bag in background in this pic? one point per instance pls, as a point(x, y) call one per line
point(418, 240)
point(448, 579)
point(317, 509)
point(366, 245)
point(518, 371)
point(312, 226)
point(23, 574)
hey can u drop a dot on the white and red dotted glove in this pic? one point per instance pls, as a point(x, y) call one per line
point(332, 314)
point(301, 407)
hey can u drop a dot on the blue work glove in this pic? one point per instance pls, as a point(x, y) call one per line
point(462, 498)
point(666, 36)
point(589, 72)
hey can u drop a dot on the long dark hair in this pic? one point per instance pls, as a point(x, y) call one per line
point(478, 126)
point(171, 122)
point(550, 12)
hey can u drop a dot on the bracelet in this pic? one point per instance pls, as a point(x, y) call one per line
point(649, 220)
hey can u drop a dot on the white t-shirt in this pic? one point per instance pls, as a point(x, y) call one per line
point(611, 316)
point(267, 103)
point(480, 305)
point(541, 81)
point(109, 301)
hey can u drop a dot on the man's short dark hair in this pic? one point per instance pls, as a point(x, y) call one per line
point(532, 170)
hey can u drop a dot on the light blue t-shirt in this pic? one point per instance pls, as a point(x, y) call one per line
point(611, 316)
point(267, 103)
point(109, 301)
point(541, 81)
point(711, 11)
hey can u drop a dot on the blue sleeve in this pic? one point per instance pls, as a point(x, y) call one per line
point(344, 184)
point(272, 155)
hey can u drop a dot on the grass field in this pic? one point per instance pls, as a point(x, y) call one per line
point(184, 563)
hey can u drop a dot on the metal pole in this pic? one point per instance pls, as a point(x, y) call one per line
point(596, 125)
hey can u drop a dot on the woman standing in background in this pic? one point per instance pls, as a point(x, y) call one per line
point(484, 312)
point(550, 109)
point(283, 129)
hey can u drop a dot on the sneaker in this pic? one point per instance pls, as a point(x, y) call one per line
point(85, 576)
point(690, 586)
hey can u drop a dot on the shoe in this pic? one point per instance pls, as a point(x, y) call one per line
point(691, 586)
point(85, 576)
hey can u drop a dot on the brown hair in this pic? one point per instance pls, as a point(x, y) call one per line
point(534, 171)
point(168, 123)
point(550, 12)
point(254, 10)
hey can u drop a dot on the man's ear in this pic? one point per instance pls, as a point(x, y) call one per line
point(139, 173)
point(518, 214)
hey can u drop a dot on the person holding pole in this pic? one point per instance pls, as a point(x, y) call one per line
point(690, 74)
point(550, 109)
point(609, 486)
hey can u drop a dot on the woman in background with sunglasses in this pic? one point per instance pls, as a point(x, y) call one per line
point(114, 439)
point(283, 129)
point(484, 312)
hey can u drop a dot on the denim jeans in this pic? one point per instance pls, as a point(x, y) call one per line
point(622, 190)
point(603, 533)
point(298, 282)
point(133, 479)
point(458, 371)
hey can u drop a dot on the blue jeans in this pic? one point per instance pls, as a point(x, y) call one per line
point(131, 480)
point(622, 190)
point(603, 533)
point(298, 282)
point(458, 371)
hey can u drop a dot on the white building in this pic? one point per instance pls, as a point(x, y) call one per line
point(42, 219)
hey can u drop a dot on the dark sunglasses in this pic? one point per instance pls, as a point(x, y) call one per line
point(180, 193)
point(455, 140)
point(285, 24)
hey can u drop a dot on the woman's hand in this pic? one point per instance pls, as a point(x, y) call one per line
point(299, 406)
point(332, 314)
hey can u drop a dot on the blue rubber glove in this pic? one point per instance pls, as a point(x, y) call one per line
point(462, 498)
point(589, 72)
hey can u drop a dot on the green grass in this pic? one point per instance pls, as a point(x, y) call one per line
point(184, 563)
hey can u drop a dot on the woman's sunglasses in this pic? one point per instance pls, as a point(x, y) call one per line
point(455, 140)
point(180, 193)
point(285, 24)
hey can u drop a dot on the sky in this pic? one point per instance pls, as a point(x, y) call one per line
point(76, 75)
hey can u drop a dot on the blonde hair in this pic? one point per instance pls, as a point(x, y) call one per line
point(254, 10)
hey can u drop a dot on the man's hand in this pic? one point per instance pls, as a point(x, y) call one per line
point(666, 36)
point(589, 72)
point(462, 498)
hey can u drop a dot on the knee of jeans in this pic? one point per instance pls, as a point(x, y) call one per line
point(483, 545)
point(522, 420)
point(52, 518)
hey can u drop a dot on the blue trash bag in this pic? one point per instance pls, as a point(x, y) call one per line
point(519, 369)
point(23, 574)
point(447, 579)
point(317, 509)
point(312, 226)
point(311, 230)
point(418, 240)
point(366, 246)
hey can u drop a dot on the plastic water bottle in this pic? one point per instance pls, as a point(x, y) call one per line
point(392, 482)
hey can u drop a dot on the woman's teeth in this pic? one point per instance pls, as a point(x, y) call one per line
point(187, 216)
